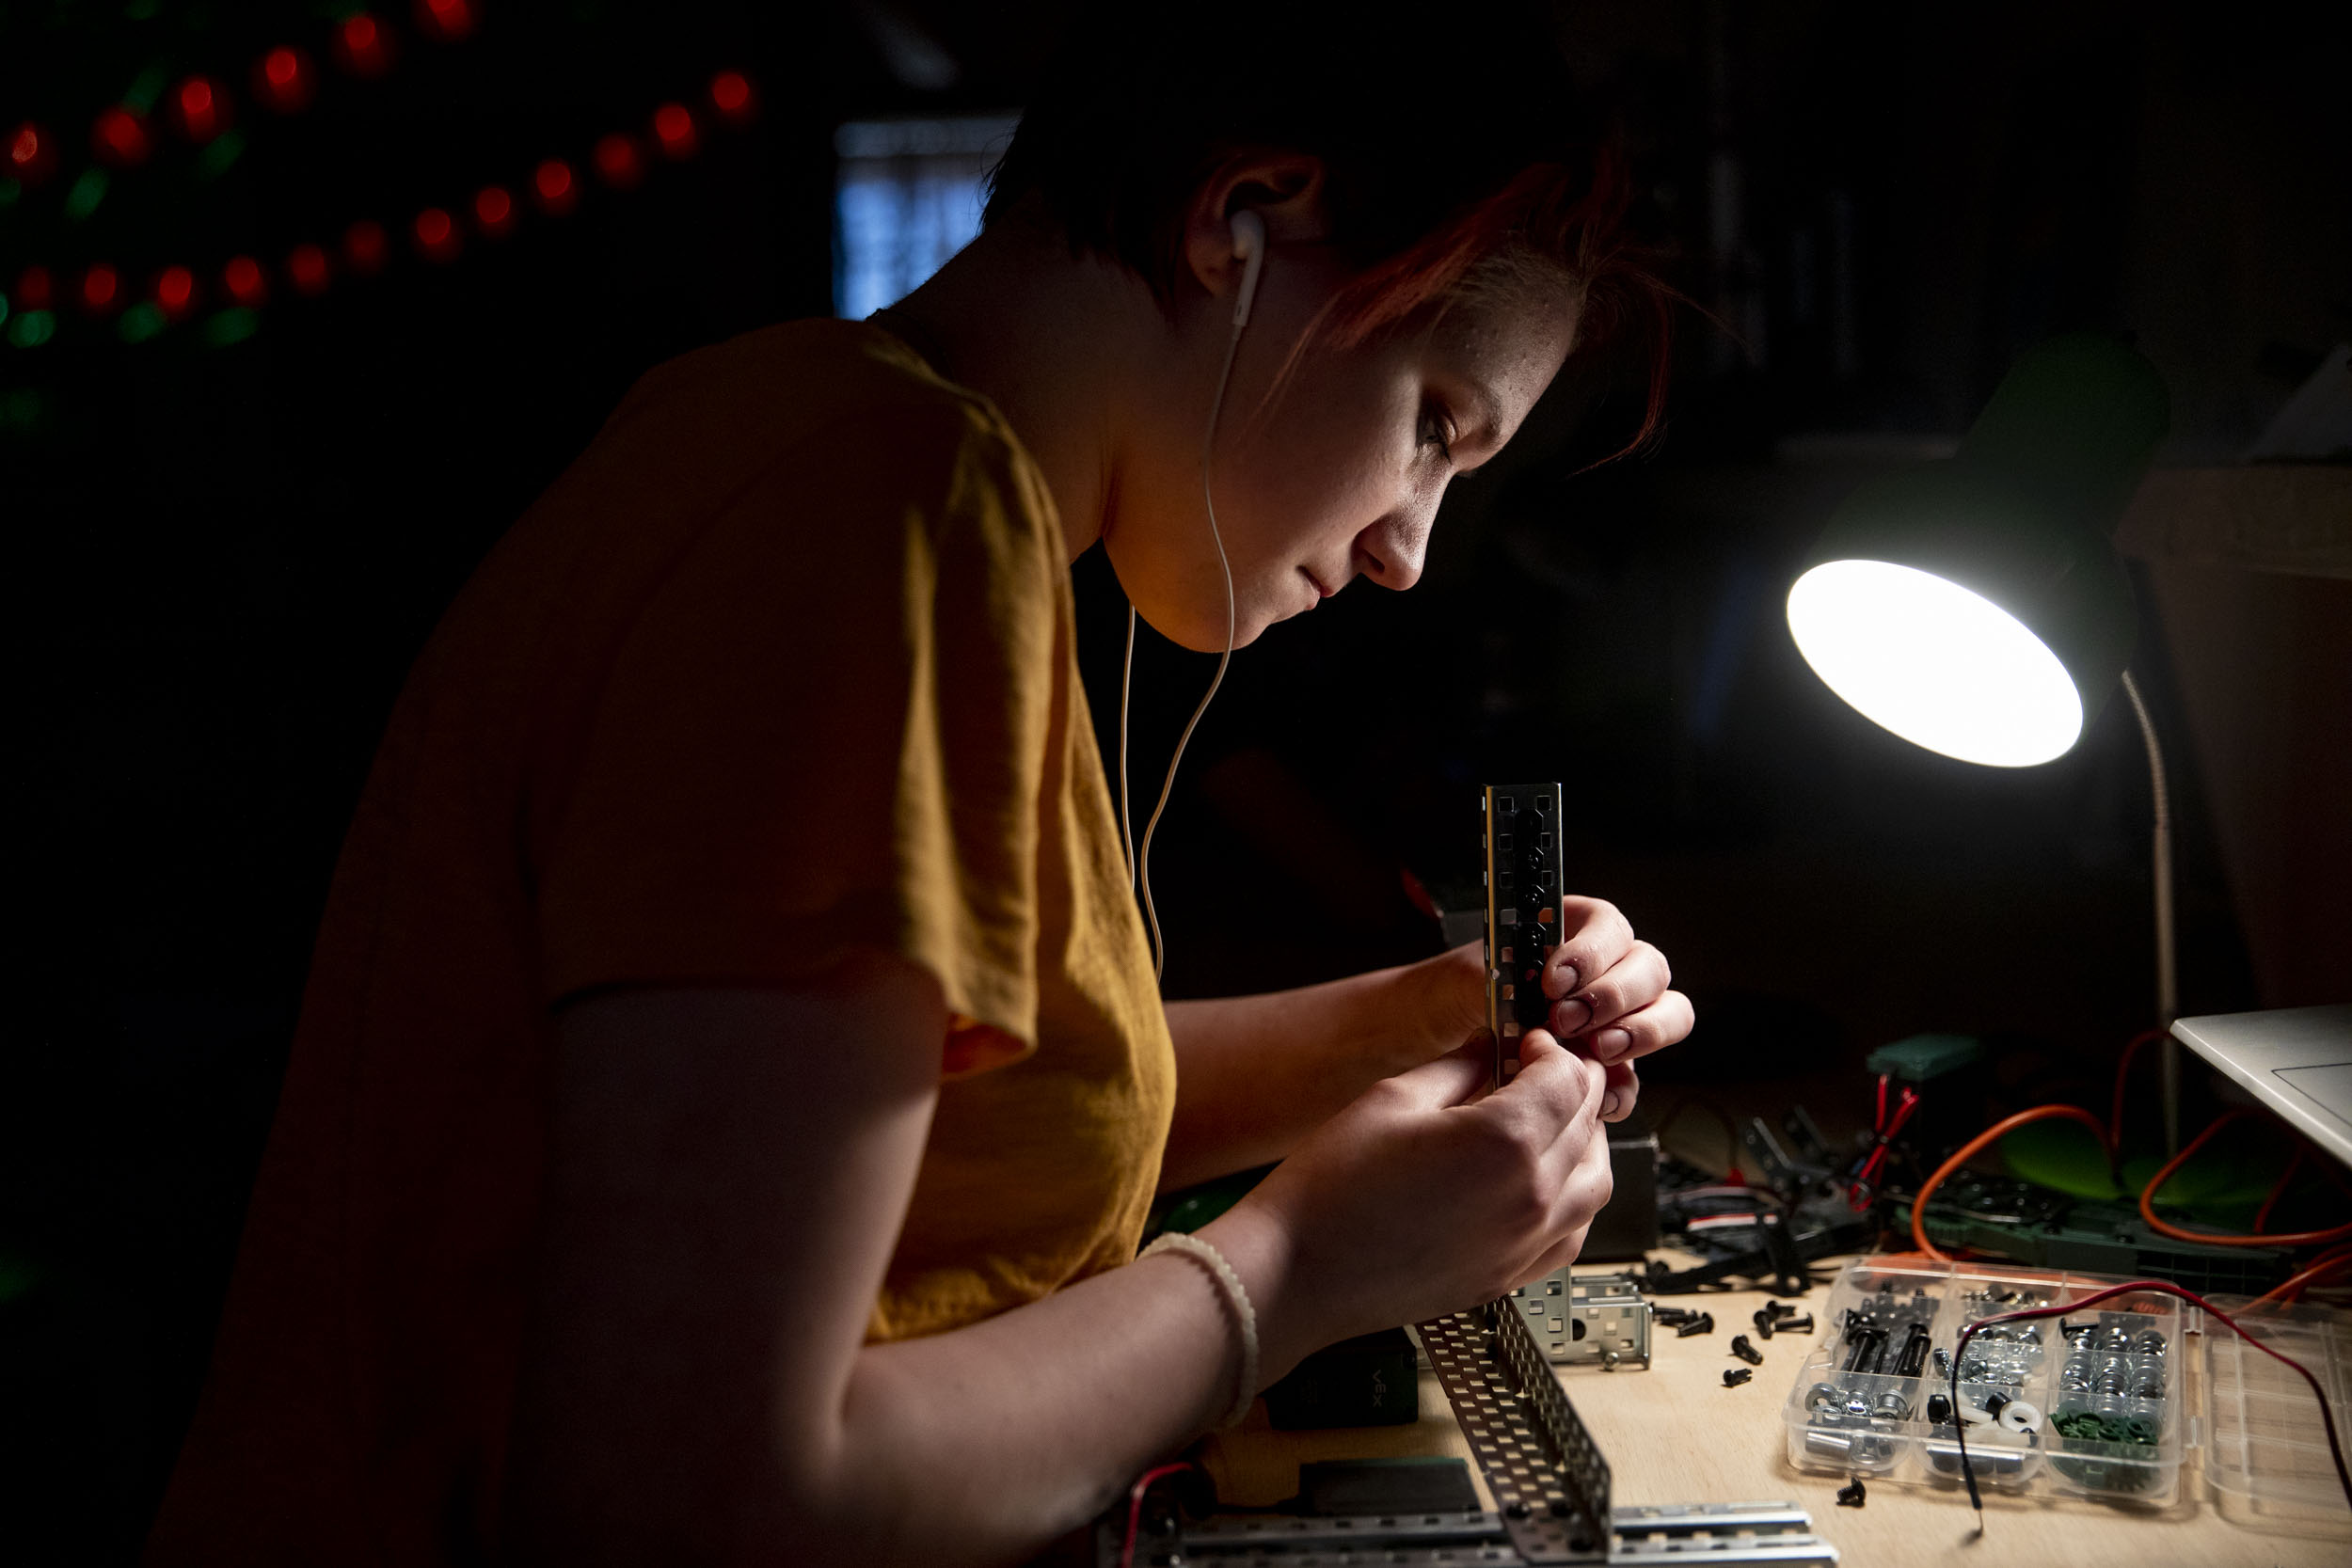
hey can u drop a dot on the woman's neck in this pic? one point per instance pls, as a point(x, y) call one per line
point(1052, 340)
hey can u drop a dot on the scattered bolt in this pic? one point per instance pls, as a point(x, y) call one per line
point(1734, 1376)
point(1702, 1323)
point(1852, 1495)
point(1797, 1322)
point(1746, 1351)
point(1671, 1316)
point(1764, 1323)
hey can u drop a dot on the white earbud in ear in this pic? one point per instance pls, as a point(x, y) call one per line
point(1250, 250)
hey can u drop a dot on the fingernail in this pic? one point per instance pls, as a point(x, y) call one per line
point(1562, 979)
point(1609, 1044)
point(1608, 1104)
point(1570, 1016)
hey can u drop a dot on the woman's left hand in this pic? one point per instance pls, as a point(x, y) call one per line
point(1609, 992)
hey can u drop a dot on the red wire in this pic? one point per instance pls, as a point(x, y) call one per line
point(2123, 1067)
point(2213, 1238)
point(1135, 1508)
point(2295, 1162)
point(1959, 1351)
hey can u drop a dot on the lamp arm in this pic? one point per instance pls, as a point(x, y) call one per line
point(2168, 990)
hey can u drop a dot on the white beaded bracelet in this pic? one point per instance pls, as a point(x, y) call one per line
point(1236, 1300)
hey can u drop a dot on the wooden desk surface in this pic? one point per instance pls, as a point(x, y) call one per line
point(1674, 1433)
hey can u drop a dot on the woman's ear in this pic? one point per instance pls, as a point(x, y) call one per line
point(1284, 189)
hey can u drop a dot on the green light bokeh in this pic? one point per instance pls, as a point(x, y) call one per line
point(141, 322)
point(219, 153)
point(225, 327)
point(32, 330)
point(86, 193)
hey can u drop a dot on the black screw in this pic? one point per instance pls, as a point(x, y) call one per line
point(1939, 1410)
point(1734, 1376)
point(1780, 1308)
point(1852, 1495)
point(1746, 1351)
point(1797, 1322)
point(1702, 1323)
point(1764, 1323)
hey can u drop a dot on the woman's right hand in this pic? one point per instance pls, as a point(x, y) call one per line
point(1427, 1194)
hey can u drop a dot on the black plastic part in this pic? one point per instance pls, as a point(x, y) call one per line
point(1745, 1350)
point(1371, 1380)
point(1626, 1225)
point(1357, 1487)
point(1702, 1323)
point(1734, 1376)
point(1852, 1494)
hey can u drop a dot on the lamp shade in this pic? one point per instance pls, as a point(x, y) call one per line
point(1975, 607)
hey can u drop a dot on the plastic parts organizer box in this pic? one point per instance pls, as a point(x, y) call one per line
point(2117, 1407)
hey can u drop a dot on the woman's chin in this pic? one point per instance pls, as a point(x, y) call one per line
point(1201, 635)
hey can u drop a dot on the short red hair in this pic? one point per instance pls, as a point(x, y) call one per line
point(1444, 150)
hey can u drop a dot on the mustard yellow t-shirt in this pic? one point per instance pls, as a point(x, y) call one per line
point(782, 665)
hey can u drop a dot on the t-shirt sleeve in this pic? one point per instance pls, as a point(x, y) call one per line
point(827, 730)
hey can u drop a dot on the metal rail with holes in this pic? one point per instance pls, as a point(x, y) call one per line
point(1548, 1477)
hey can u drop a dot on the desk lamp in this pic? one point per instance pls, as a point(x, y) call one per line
point(1975, 608)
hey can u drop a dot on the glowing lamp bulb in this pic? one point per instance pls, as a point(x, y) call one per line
point(1941, 666)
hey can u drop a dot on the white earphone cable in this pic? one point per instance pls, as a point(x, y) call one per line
point(1141, 864)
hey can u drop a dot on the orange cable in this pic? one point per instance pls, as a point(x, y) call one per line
point(2291, 1288)
point(1977, 1145)
point(2162, 1227)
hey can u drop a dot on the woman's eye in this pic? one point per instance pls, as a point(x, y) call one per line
point(1436, 430)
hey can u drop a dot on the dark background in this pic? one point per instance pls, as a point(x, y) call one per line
point(223, 559)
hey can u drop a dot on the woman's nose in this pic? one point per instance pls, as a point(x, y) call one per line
point(1391, 551)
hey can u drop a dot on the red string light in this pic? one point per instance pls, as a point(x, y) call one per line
point(118, 138)
point(201, 111)
point(444, 21)
point(362, 45)
point(101, 288)
point(674, 128)
point(436, 235)
point(365, 247)
point(731, 95)
point(308, 267)
point(494, 211)
point(553, 184)
point(245, 281)
point(31, 153)
point(618, 162)
point(284, 80)
point(175, 291)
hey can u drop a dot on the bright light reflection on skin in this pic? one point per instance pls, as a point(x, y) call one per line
point(1940, 666)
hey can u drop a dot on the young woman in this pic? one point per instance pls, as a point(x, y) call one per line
point(732, 1079)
